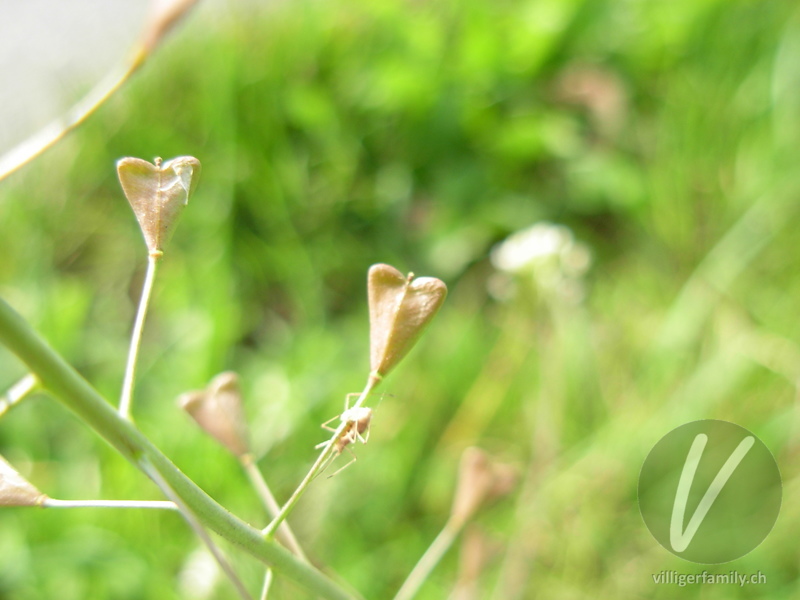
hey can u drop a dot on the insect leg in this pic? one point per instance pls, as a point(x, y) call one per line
point(363, 439)
point(325, 424)
point(340, 469)
point(347, 400)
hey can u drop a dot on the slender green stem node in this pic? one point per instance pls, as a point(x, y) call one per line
point(128, 383)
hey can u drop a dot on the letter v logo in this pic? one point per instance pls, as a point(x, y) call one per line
point(709, 491)
point(679, 539)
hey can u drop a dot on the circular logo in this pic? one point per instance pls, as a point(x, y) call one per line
point(710, 491)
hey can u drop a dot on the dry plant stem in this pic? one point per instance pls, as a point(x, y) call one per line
point(64, 383)
point(156, 504)
point(18, 392)
point(321, 462)
point(168, 15)
point(199, 530)
point(54, 131)
point(429, 560)
point(285, 534)
point(128, 383)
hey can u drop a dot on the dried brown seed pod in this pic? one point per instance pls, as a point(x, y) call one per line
point(218, 411)
point(158, 193)
point(400, 308)
point(480, 480)
point(15, 490)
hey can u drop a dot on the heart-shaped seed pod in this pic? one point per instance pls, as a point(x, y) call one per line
point(480, 480)
point(400, 308)
point(218, 411)
point(158, 193)
point(15, 490)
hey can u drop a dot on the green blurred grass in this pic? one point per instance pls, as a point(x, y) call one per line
point(340, 134)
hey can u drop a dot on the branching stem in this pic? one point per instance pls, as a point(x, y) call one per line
point(61, 380)
point(271, 504)
point(321, 462)
point(198, 529)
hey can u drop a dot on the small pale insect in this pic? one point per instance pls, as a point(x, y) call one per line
point(356, 422)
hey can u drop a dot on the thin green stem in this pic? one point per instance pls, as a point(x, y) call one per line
point(155, 504)
point(285, 533)
point(429, 560)
point(128, 383)
point(61, 379)
point(267, 584)
point(18, 392)
point(199, 530)
point(321, 462)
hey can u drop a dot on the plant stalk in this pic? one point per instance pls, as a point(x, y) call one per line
point(66, 384)
point(128, 383)
point(18, 392)
point(168, 15)
point(156, 504)
point(321, 462)
point(199, 530)
point(56, 130)
point(429, 560)
point(285, 533)
point(267, 584)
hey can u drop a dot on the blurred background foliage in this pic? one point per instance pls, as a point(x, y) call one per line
point(337, 134)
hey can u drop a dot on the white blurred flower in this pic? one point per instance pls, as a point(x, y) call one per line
point(548, 253)
point(541, 242)
point(199, 575)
